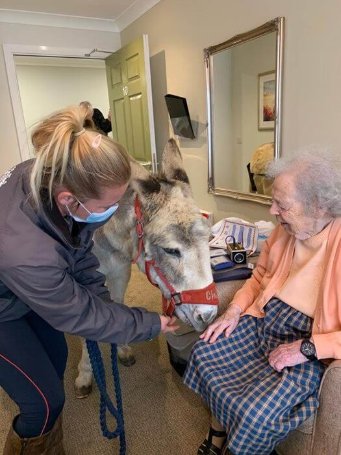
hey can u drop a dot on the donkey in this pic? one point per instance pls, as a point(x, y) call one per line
point(158, 226)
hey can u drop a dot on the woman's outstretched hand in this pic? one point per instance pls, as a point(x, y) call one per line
point(168, 324)
point(226, 323)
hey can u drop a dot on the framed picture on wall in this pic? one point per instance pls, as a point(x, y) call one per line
point(266, 100)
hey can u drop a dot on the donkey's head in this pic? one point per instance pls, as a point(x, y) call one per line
point(175, 237)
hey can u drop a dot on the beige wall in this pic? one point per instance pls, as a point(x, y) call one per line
point(178, 31)
point(38, 35)
point(181, 29)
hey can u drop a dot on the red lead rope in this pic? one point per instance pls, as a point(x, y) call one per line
point(139, 228)
point(204, 296)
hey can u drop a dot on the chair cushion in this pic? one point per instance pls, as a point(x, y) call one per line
point(307, 426)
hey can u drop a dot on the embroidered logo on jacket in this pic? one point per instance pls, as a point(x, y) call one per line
point(6, 176)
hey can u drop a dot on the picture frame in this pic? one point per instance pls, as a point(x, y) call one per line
point(266, 100)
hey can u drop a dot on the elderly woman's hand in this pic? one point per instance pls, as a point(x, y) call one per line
point(286, 355)
point(226, 323)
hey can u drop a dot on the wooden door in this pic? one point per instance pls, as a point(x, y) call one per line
point(129, 87)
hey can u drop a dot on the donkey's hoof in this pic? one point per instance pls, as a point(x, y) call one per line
point(84, 391)
point(127, 361)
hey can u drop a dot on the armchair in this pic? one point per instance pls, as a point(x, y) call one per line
point(320, 435)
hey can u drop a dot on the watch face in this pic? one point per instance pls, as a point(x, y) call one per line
point(308, 348)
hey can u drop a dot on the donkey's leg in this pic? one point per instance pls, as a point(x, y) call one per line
point(83, 382)
point(117, 284)
point(118, 275)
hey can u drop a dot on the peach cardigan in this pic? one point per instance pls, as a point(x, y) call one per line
point(272, 270)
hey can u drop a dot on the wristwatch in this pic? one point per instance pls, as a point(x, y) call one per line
point(308, 349)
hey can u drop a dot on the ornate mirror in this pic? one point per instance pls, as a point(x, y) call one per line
point(244, 79)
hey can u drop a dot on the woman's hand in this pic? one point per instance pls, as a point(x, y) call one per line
point(226, 323)
point(168, 324)
point(286, 355)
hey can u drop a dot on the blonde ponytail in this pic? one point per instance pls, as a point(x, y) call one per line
point(76, 157)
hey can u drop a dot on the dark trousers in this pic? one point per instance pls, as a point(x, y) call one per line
point(32, 363)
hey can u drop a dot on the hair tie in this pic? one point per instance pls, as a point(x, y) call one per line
point(96, 142)
point(79, 132)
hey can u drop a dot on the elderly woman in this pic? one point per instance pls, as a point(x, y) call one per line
point(260, 364)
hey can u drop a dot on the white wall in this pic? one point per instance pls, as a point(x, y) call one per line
point(46, 85)
point(181, 29)
point(38, 35)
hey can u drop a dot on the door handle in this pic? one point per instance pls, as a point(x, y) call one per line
point(125, 90)
point(146, 164)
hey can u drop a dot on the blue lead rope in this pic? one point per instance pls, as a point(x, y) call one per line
point(106, 403)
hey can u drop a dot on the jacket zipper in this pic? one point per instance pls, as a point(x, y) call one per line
point(23, 446)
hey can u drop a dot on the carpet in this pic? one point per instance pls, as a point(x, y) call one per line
point(161, 415)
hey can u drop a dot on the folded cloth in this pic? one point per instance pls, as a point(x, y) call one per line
point(264, 231)
point(234, 273)
point(235, 230)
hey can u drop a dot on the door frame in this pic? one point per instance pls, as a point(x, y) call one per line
point(11, 50)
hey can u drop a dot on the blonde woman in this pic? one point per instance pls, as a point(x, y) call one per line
point(49, 283)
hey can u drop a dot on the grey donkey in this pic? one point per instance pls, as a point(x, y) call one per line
point(172, 249)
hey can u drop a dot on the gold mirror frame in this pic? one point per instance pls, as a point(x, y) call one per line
point(275, 25)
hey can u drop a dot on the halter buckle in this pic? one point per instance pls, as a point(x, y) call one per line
point(176, 298)
point(139, 229)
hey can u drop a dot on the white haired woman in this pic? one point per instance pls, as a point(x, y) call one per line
point(49, 283)
point(259, 366)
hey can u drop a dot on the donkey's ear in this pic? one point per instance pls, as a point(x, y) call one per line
point(137, 170)
point(172, 165)
point(146, 187)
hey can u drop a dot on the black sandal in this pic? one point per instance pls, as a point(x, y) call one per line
point(207, 447)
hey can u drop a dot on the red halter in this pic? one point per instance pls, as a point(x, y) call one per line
point(204, 296)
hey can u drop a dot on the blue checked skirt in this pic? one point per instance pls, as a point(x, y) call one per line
point(257, 405)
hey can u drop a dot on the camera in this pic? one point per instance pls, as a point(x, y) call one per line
point(236, 252)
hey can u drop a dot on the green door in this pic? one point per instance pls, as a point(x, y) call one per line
point(129, 86)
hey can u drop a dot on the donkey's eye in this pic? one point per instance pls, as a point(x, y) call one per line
point(172, 251)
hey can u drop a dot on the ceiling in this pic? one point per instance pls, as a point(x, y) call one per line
point(119, 13)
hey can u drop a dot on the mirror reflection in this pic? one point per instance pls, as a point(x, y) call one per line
point(243, 76)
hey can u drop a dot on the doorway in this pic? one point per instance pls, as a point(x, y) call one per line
point(11, 52)
point(48, 84)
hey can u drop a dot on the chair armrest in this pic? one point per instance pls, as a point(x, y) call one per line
point(226, 291)
point(327, 428)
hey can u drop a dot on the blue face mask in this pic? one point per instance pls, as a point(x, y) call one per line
point(94, 217)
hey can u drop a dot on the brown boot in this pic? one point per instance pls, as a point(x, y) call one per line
point(50, 443)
